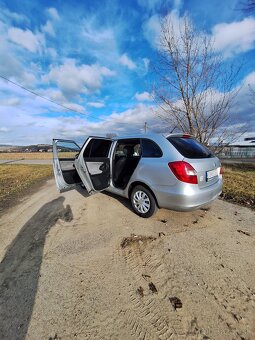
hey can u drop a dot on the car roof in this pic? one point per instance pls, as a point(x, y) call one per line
point(150, 135)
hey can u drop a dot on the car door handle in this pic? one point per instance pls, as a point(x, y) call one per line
point(103, 167)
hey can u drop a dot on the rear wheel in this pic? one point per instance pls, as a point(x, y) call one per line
point(143, 202)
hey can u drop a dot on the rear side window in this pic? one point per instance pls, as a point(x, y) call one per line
point(190, 148)
point(97, 148)
point(150, 149)
point(133, 145)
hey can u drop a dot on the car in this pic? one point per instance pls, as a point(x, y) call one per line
point(152, 170)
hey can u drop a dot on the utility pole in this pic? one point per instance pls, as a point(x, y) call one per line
point(145, 127)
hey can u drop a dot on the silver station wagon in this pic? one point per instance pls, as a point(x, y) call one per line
point(174, 172)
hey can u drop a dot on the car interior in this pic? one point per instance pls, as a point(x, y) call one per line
point(126, 157)
point(125, 160)
point(67, 152)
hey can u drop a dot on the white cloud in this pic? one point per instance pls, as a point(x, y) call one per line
point(126, 61)
point(48, 28)
point(5, 13)
point(157, 5)
point(26, 38)
point(235, 37)
point(144, 96)
point(53, 94)
point(73, 79)
point(178, 4)
point(151, 30)
point(52, 53)
point(75, 107)
point(152, 27)
point(97, 105)
point(58, 97)
point(13, 101)
point(250, 79)
point(53, 13)
point(28, 113)
point(4, 129)
point(146, 62)
point(100, 41)
point(131, 121)
point(229, 38)
point(150, 4)
point(10, 66)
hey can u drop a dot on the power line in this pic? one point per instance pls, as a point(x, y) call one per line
point(56, 103)
point(38, 95)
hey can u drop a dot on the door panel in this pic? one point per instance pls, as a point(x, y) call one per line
point(93, 164)
point(64, 154)
point(99, 171)
point(94, 168)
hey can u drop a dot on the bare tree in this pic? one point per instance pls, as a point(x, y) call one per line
point(111, 135)
point(248, 6)
point(252, 93)
point(194, 88)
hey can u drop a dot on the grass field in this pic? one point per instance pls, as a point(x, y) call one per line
point(17, 179)
point(25, 155)
point(34, 155)
point(239, 184)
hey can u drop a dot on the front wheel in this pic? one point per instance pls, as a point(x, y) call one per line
point(143, 202)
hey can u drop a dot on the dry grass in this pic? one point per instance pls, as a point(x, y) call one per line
point(17, 179)
point(239, 184)
point(34, 155)
point(25, 155)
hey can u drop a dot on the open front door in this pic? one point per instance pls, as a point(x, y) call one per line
point(93, 164)
point(64, 154)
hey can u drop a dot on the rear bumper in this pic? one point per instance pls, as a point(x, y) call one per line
point(186, 197)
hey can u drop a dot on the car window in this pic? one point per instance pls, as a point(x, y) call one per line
point(132, 143)
point(150, 149)
point(97, 148)
point(190, 147)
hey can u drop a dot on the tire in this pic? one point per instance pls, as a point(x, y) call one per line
point(143, 202)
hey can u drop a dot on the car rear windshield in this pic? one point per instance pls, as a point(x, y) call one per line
point(190, 148)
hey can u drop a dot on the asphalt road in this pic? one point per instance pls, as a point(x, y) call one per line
point(26, 161)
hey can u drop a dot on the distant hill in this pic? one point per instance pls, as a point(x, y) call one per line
point(26, 148)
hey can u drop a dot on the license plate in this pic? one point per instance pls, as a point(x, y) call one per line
point(211, 174)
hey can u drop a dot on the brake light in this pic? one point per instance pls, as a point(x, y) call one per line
point(221, 170)
point(184, 172)
point(186, 136)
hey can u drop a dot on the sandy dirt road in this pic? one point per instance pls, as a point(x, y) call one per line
point(66, 273)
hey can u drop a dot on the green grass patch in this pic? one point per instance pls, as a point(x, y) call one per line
point(18, 179)
point(239, 184)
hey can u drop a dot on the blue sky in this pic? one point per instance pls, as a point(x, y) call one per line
point(95, 57)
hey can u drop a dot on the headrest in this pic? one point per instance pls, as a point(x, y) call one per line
point(128, 150)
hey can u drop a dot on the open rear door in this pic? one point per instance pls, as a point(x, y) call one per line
point(93, 164)
point(64, 154)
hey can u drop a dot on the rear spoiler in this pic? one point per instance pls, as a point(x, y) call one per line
point(183, 135)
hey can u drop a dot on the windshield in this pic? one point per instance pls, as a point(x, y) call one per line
point(190, 147)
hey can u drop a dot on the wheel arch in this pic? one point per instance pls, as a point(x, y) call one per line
point(136, 183)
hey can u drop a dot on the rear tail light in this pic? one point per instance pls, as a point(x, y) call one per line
point(221, 170)
point(184, 172)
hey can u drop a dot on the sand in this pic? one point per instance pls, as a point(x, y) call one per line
point(77, 267)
